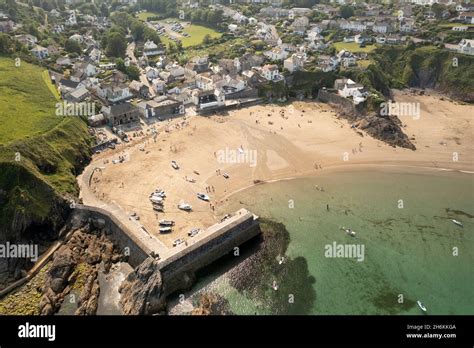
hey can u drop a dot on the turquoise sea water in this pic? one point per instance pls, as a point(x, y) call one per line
point(411, 247)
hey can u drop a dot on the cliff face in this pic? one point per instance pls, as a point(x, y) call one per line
point(37, 176)
point(445, 71)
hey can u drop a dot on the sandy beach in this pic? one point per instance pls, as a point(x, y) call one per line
point(265, 143)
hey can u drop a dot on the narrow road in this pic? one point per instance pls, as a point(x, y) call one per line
point(130, 52)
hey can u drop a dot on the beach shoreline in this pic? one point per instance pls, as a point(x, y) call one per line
point(275, 143)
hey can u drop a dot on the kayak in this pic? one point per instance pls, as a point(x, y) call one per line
point(423, 308)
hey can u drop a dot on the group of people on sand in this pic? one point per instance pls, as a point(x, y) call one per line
point(317, 166)
point(210, 189)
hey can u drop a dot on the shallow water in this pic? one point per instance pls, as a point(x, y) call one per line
point(109, 288)
point(412, 251)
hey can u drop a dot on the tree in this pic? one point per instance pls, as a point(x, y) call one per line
point(207, 39)
point(72, 46)
point(137, 30)
point(133, 72)
point(116, 44)
point(346, 11)
point(104, 10)
point(6, 43)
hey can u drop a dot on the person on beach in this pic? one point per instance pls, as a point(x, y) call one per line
point(327, 207)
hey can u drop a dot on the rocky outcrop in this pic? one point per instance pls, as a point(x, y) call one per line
point(89, 298)
point(76, 265)
point(211, 304)
point(142, 292)
point(57, 280)
point(386, 129)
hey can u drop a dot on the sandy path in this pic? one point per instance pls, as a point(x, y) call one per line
point(294, 143)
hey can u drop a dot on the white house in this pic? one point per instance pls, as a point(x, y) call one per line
point(40, 52)
point(95, 55)
point(314, 35)
point(114, 92)
point(77, 37)
point(232, 27)
point(461, 8)
point(88, 68)
point(407, 26)
point(271, 72)
point(27, 39)
point(300, 24)
point(159, 86)
point(466, 17)
point(295, 62)
point(177, 71)
point(71, 19)
point(348, 88)
point(204, 82)
point(276, 54)
point(151, 49)
point(231, 84)
point(466, 47)
point(208, 99)
point(151, 73)
point(352, 26)
point(381, 28)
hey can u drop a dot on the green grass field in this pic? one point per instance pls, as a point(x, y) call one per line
point(28, 101)
point(364, 63)
point(353, 47)
point(144, 15)
point(197, 32)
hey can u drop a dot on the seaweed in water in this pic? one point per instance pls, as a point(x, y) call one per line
point(255, 275)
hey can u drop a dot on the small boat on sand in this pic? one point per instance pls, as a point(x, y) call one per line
point(194, 232)
point(456, 222)
point(166, 223)
point(174, 165)
point(203, 197)
point(185, 207)
point(178, 242)
point(158, 207)
point(165, 229)
point(423, 308)
point(156, 199)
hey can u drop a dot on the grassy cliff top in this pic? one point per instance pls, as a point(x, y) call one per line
point(28, 101)
point(40, 153)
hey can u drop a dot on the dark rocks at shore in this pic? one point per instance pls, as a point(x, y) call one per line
point(56, 282)
point(142, 292)
point(89, 297)
point(386, 129)
point(211, 304)
point(255, 275)
point(76, 265)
